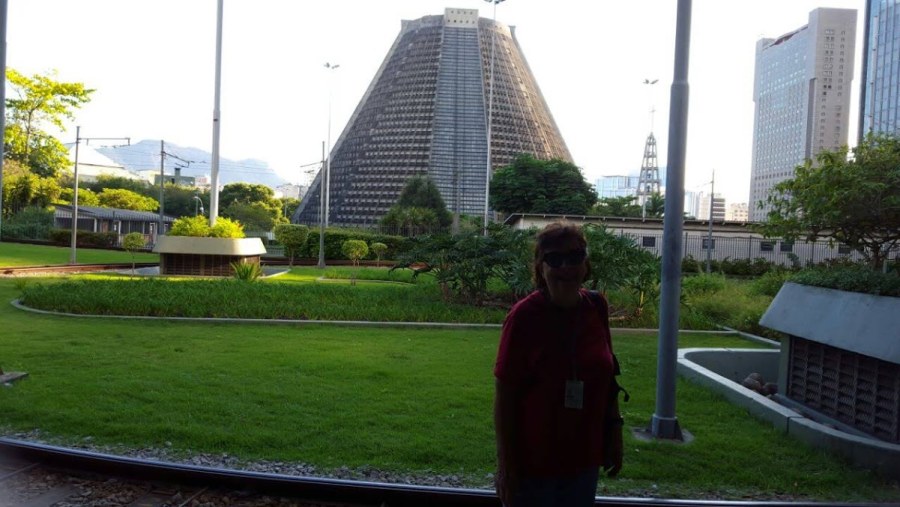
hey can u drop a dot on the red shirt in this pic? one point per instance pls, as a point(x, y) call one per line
point(535, 358)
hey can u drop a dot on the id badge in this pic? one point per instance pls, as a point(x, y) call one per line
point(574, 394)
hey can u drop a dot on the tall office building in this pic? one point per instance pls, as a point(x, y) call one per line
point(879, 100)
point(801, 92)
point(426, 113)
point(718, 207)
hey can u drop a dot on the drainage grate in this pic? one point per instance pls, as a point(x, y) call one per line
point(858, 390)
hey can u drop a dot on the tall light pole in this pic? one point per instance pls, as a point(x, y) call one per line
point(490, 118)
point(663, 423)
point(214, 165)
point(328, 143)
point(322, 190)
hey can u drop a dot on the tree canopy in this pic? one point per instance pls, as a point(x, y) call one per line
point(624, 206)
point(530, 185)
point(852, 200)
point(252, 204)
point(36, 102)
point(420, 208)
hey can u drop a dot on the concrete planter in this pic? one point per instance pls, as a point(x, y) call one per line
point(186, 255)
point(841, 366)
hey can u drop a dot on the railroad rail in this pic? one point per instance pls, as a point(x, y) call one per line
point(71, 268)
point(159, 483)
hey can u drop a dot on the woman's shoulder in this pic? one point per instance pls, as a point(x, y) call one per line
point(529, 304)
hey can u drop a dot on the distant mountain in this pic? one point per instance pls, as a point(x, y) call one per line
point(145, 155)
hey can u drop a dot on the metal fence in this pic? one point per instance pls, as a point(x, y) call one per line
point(777, 251)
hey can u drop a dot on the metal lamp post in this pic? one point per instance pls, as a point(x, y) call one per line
point(664, 423)
point(490, 119)
point(325, 181)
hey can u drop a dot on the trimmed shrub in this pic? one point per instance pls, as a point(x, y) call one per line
point(63, 237)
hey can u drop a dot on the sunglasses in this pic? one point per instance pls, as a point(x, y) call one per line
point(557, 259)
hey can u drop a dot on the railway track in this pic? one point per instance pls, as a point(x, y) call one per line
point(39, 475)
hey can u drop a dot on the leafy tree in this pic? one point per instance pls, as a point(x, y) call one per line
point(410, 221)
point(255, 216)
point(22, 188)
point(854, 201)
point(420, 208)
point(530, 185)
point(618, 262)
point(624, 206)
point(126, 199)
point(655, 205)
point(462, 264)
point(246, 193)
point(254, 205)
point(292, 237)
point(106, 181)
point(421, 192)
point(379, 250)
point(355, 249)
point(289, 205)
point(132, 242)
point(37, 101)
point(86, 197)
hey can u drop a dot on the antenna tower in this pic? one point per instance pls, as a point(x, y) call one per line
point(648, 181)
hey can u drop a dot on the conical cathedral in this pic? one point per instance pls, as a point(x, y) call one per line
point(426, 113)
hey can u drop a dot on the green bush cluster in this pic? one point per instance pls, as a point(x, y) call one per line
point(851, 278)
point(31, 222)
point(198, 227)
point(733, 267)
point(335, 238)
point(63, 237)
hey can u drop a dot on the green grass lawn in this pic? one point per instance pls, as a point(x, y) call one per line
point(19, 254)
point(406, 400)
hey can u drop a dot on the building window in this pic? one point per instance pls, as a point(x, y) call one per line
point(706, 244)
point(648, 241)
point(844, 249)
point(766, 246)
point(787, 246)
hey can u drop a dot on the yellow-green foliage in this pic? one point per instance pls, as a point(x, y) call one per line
point(198, 227)
point(355, 249)
point(227, 228)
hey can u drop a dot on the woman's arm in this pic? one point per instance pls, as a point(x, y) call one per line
point(505, 427)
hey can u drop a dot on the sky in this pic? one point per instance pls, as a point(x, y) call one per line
point(152, 64)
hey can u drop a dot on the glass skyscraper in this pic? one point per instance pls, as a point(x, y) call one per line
point(879, 102)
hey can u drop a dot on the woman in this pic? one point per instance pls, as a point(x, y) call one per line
point(554, 378)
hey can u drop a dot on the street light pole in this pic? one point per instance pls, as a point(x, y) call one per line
point(328, 144)
point(322, 191)
point(490, 119)
point(664, 423)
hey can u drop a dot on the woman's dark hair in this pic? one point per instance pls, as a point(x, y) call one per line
point(554, 235)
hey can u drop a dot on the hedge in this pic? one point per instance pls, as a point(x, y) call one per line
point(63, 237)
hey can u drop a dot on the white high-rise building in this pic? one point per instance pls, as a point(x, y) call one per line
point(801, 92)
point(718, 207)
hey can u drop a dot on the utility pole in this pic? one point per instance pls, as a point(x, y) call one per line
point(162, 182)
point(214, 166)
point(78, 139)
